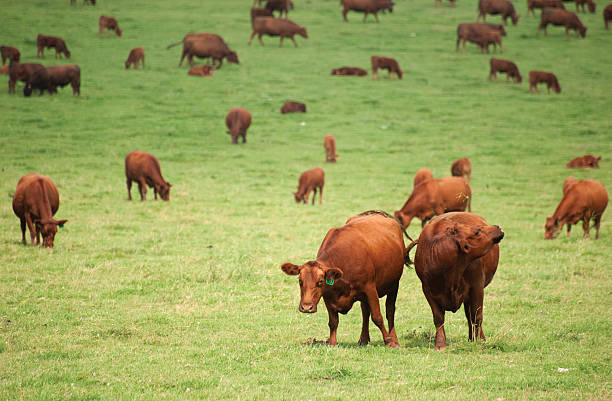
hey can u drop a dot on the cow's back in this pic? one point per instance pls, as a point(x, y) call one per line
point(452, 192)
point(30, 190)
point(140, 164)
point(592, 193)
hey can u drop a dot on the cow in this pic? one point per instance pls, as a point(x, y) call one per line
point(506, 66)
point(238, 121)
point(280, 6)
point(136, 55)
point(435, 197)
point(565, 18)
point(329, 143)
point(9, 53)
point(568, 183)
point(489, 38)
point(35, 201)
point(385, 63)
point(4, 70)
point(590, 4)
point(310, 180)
point(477, 33)
point(424, 174)
point(271, 26)
point(49, 78)
point(494, 7)
point(360, 72)
point(585, 200)
point(201, 71)
point(110, 24)
point(360, 261)
point(293, 107)
point(259, 12)
point(541, 4)
point(586, 161)
point(550, 79)
point(607, 15)
point(204, 45)
point(21, 72)
point(456, 258)
point(49, 42)
point(366, 7)
point(462, 168)
point(144, 169)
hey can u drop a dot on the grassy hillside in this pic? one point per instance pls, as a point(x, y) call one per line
point(186, 300)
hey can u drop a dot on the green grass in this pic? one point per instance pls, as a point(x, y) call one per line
point(186, 299)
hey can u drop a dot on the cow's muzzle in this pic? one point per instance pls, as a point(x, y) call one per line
point(498, 236)
point(308, 308)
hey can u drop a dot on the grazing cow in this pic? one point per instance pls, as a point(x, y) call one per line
point(424, 174)
point(360, 72)
point(50, 78)
point(238, 121)
point(21, 72)
point(541, 4)
point(144, 169)
point(435, 197)
point(585, 200)
point(204, 45)
point(271, 26)
point(565, 18)
point(136, 55)
point(49, 42)
point(293, 107)
point(590, 4)
point(35, 202)
point(507, 66)
point(462, 168)
point(310, 180)
point(110, 24)
point(456, 258)
point(259, 12)
point(477, 33)
point(385, 63)
point(366, 7)
point(329, 143)
point(92, 2)
point(280, 6)
point(550, 79)
point(9, 53)
point(489, 38)
point(201, 71)
point(360, 261)
point(568, 183)
point(607, 15)
point(494, 7)
point(586, 161)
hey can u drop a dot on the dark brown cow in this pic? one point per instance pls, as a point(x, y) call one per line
point(585, 200)
point(456, 258)
point(204, 45)
point(49, 42)
point(201, 71)
point(607, 15)
point(590, 4)
point(9, 53)
point(462, 168)
point(136, 55)
point(494, 7)
point(424, 174)
point(92, 2)
point(50, 78)
point(565, 18)
point(35, 202)
point(271, 26)
point(293, 107)
point(477, 33)
point(282, 6)
point(329, 143)
point(360, 261)
point(506, 66)
point(21, 72)
point(360, 72)
point(550, 79)
point(541, 4)
point(435, 197)
point(310, 180)
point(110, 24)
point(238, 121)
point(366, 7)
point(586, 161)
point(385, 63)
point(568, 183)
point(144, 169)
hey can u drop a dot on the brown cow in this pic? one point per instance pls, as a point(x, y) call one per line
point(506, 66)
point(360, 72)
point(541, 4)
point(489, 38)
point(462, 168)
point(494, 7)
point(366, 6)
point(279, 5)
point(456, 258)
point(238, 121)
point(9, 53)
point(310, 180)
point(136, 55)
point(35, 202)
point(607, 15)
point(92, 2)
point(585, 200)
point(201, 71)
point(550, 79)
point(271, 26)
point(144, 169)
point(435, 197)
point(293, 107)
point(110, 24)
point(21, 72)
point(565, 18)
point(50, 78)
point(4, 70)
point(259, 12)
point(360, 261)
point(586, 161)
point(589, 3)
point(329, 143)
point(475, 32)
point(49, 42)
point(385, 63)
point(204, 45)
point(568, 183)
point(422, 175)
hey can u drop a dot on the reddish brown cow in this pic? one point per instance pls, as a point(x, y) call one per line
point(607, 15)
point(494, 7)
point(550, 79)
point(35, 202)
point(586, 161)
point(205, 45)
point(4, 70)
point(366, 7)
point(360, 261)
point(238, 121)
point(477, 33)
point(202, 71)
point(259, 12)
point(568, 183)
point(271, 26)
point(50, 78)
point(49, 42)
point(506, 66)
point(110, 24)
point(136, 55)
point(385, 63)
point(585, 200)
point(144, 169)
point(565, 18)
point(349, 71)
point(456, 258)
point(422, 175)
point(282, 6)
point(462, 168)
point(435, 197)
point(310, 180)
point(329, 143)
point(9, 53)
point(590, 4)
point(541, 4)
point(293, 107)
point(21, 72)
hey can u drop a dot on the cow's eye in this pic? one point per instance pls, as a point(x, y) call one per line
point(321, 282)
point(477, 232)
point(301, 282)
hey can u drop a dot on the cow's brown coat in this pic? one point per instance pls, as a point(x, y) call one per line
point(385, 63)
point(144, 169)
point(550, 79)
point(506, 66)
point(310, 180)
point(9, 53)
point(110, 24)
point(136, 55)
point(238, 121)
point(329, 143)
point(586, 161)
point(49, 42)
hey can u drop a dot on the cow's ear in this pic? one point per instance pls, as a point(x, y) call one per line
point(61, 223)
point(460, 238)
point(332, 274)
point(291, 269)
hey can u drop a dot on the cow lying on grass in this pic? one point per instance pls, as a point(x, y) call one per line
point(49, 42)
point(271, 26)
point(201, 71)
point(550, 79)
point(586, 161)
point(49, 78)
point(293, 107)
point(360, 72)
point(505, 66)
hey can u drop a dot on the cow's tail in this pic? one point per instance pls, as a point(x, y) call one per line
point(174, 44)
point(407, 261)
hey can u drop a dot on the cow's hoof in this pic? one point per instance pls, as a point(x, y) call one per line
point(363, 341)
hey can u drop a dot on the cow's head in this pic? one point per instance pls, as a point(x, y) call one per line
point(314, 277)
point(556, 86)
point(519, 79)
point(400, 74)
point(118, 31)
point(404, 218)
point(47, 228)
point(474, 240)
point(302, 32)
point(335, 71)
point(233, 58)
point(515, 18)
point(163, 190)
point(552, 228)
point(67, 52)
point(127, 64)
point(27, 90)
point(501, 29)
point(299, 198)
point(591, 6)
point(582, 31)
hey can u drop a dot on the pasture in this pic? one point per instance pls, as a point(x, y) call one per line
point(186, 300)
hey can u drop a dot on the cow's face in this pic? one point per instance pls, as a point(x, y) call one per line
point(314, 278)
point(519, 79)
point(591, 6)
point(67, 53)
point(502, 30)
point(48, 229)
point(515, 18)
point(403, 218)
point(164, 191)
point(119, 31)
point(298, 198)
point(552, 228)
point(583, 31)
point(127, 64)
point(475, 240)
point(233, 58)
point(302, 32)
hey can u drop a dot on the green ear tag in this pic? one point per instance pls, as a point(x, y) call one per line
point(329, 281)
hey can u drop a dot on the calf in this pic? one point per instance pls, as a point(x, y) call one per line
point(590, 4)
point(541, 4)
point(586, 161)
point(205, 45)
point(385, 63)
point(568, 183)
point(310, 180)
point(489, 38)
point(110, 24)
point(282, 6)
point(9, 53)
point(585, 200)
point(238, 121)
point(144, 169)
point(366, 7)
point(271, 26)
point(293, 107)
point(550, 79)
point(35, 202)
point(506, 66)
point(21, 72)
point(202, 71)
point(435, 197)
point(456, 258)
point(462, 168)
point(494, 7)
point(58, 44)
point(360, 261)
point(329, 143)
point(50, 78)
point(607, 15)
point(477, 33)
point(422, 175)
point(349, 71)
point(565, 18)
point(136, 55)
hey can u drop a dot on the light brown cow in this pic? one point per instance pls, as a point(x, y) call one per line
point(366, 7)
point(238, 121)
point(462, 168)
point(9, 53)
point(201, 71)
point(506, 66)
point(49, 42)
point(271, 26)
point(422, 175)
point(110, 24)
point(586, 161)
point(385, 63)
point(136, 55)
point(550, 79)
point(4, 70)
point(144, 169)
point(329, 143)
point(21, 72)
point(310, 180)
point(568, 19)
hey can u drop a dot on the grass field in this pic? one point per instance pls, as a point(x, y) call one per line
point(186, 300)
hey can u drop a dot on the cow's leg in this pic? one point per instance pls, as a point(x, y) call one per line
point(457, 47)
point(597, 224)
point(143, 64)
point(567, 32)
point(281, 41)
point(364, 338)
point(473, 313)
point(390, 312)
point(260, 40)
point(438, 318)
point(365, 15)
point(344, 11)
point(376, 16)
point(142, 188)
point(314, 194)
point(129, 188)
point(251, 38)
point(23, 229)
point(31, 228)
point(586, 226)
point(243, 134)
point(294, 42)
point(332, 323)
point(307, 195)
point(569, 229)
point(321, 195)
point(135, 65)
point(155, 192)
point(377, 318)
